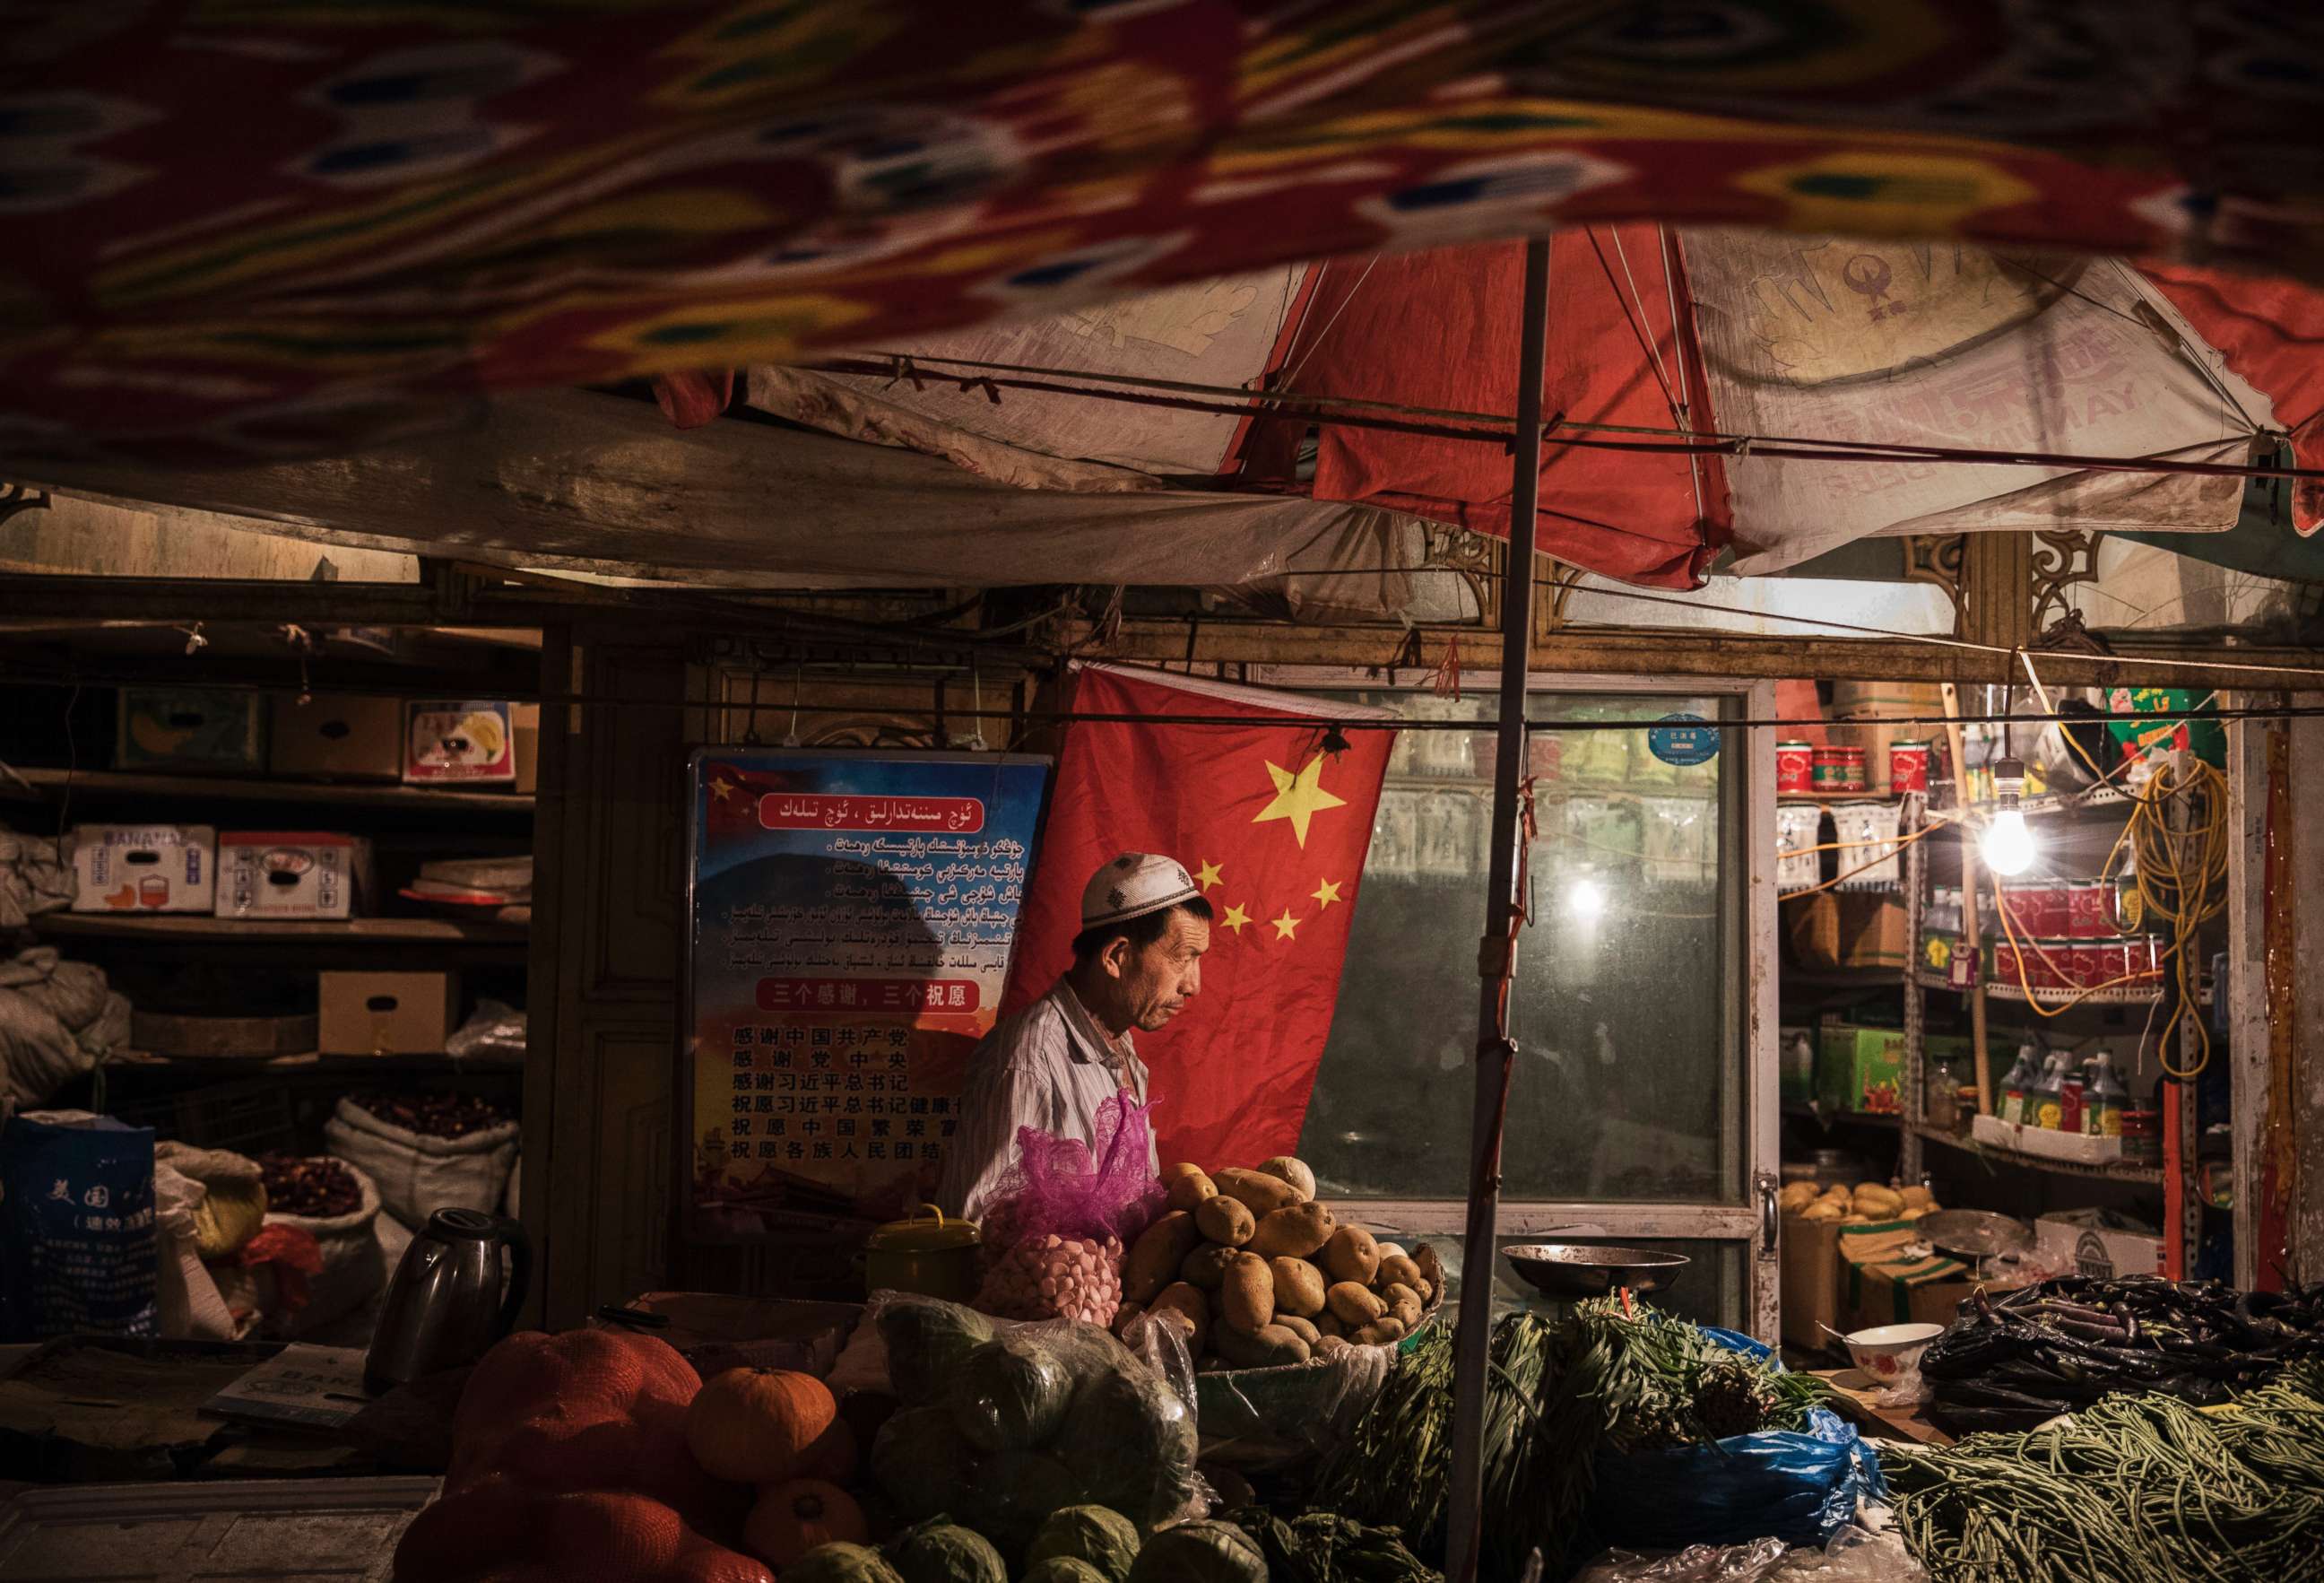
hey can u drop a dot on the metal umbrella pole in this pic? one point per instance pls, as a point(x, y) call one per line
point(1497, 953)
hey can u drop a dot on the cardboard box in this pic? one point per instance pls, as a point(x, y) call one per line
point(291, 874)
point(217, 729)
point(1889, 1276)
point(524, 725)
point(1863, 1069)
point(1863, 713)
point(450, 742)
point(1872, 932)
point(337, 736)
point(1847, 929)
point(2097, 1244)
point(387, 1013)
point(144, 868)
point(1807, 1274)
point(2045, 1144)
point(1860, 1069)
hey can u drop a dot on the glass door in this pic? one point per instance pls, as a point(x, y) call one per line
point(1642, 1109)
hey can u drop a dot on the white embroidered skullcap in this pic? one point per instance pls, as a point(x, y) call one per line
point(1132, 886)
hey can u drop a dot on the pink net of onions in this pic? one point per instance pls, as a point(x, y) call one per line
point(1054, 1233)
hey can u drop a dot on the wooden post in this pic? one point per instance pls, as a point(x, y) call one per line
point(1496, 955)
point(1971, 937)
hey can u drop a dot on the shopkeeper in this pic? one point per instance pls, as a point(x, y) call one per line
point(1136, 962)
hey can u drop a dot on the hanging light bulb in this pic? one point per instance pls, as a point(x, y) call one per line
point(2008, 845)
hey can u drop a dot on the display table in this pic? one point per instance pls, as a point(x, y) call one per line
point(1856, 1395)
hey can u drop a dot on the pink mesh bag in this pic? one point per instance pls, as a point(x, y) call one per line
point(1054, 1231)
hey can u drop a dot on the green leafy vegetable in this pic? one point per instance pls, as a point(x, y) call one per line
point(1625, 1378)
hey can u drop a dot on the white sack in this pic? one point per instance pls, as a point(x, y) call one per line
point(186, 1299)
point(419, 1175)
point(353, 1267)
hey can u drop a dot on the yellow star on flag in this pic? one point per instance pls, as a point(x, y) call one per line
point(1325, 893)
point(1236, 917)
point(1286, 925)
point(1207, 875)
point(1298, 798)
point(722, 787)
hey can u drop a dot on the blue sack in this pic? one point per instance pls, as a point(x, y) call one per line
point(1795, 1486)
point(75, 1229)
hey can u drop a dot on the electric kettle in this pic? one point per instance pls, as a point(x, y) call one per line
point(445, 1306)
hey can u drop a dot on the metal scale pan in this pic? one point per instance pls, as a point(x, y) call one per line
point(1569, 1272)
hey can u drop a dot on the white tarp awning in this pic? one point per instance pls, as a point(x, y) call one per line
point(600, 484)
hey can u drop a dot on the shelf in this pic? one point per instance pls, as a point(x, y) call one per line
point(1830, 797)
point(14, 782)
point(2141, 1175)
point(1876, 1120)
point(1545, 790)
point(214, 1065)
point(2047, 804)
point(1840, 978)
point(194, 926)
point(2125, 995)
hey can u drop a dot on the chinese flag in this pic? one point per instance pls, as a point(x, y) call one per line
point(1274, 828)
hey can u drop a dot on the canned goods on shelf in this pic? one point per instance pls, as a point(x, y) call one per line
point(2042, 911)
point(1838, 769)
point(2090, 910)
point(1908, 766)
point(1794, 768)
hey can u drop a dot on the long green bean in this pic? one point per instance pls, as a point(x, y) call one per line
point(2136, 1490)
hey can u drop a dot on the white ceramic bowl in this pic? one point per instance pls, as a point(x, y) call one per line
point(1891, 1353)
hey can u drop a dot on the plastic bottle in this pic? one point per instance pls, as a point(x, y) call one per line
point(2019, 1084)
point(2103, 1099)
point(1939, 1098)
point(2046, 1102)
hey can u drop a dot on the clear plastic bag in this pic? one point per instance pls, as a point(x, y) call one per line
point(1865, 1550)
point(493, 1029)
point(1163, 1349)
point(1005, 1422)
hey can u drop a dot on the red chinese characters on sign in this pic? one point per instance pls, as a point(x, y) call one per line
point(810, 810)
point(854, 997)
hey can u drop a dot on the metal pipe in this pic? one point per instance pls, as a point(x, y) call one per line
point(1497, 953)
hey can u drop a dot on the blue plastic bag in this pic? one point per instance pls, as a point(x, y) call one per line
point(1798, 1487)
point(75, 1229)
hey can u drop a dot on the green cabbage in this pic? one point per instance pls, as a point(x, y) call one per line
point(926, 1338)
point(1013, 1492)
point(1098, 1536)
point(840, 1563)
point(1132, 1442)
point(922, 1462)
point(1010, 1394)
point(945, 1552)
point(1063, 1569)
point(1193, 1552)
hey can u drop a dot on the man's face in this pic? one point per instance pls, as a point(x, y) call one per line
point(1158, 981)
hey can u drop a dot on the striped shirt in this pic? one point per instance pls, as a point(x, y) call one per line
point(1049, 1066)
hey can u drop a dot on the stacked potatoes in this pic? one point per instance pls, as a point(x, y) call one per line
point(1864, 1203)
point(1253, 1272)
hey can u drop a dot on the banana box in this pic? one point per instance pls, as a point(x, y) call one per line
point(217, 729)
point(144, 868)
point(454, 743)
